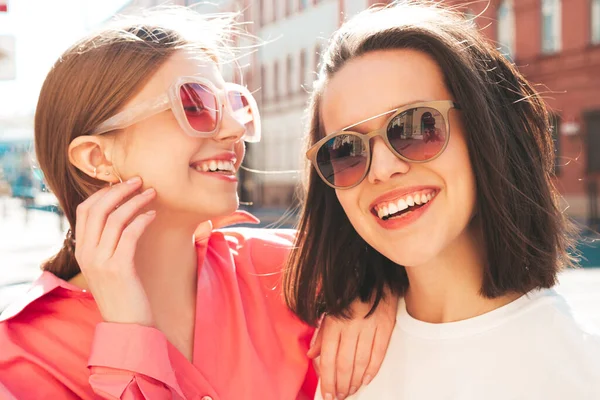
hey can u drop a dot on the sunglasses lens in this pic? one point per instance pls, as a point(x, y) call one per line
point(418, 134)
point(200, 107)
point(342, 160)
point(245, 111)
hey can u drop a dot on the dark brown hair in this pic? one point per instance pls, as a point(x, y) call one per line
point(93, 80)
point(526, 236)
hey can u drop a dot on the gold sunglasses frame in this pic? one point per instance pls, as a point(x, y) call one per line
point(442, 106)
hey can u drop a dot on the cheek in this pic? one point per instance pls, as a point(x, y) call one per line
point(458, 174)
point(151, 157)
point(349, 200)
point(240, 151)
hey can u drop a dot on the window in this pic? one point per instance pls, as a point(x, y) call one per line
point(261, 12)
point(288, 76)
point(263, 83)
point(303, 4)
point(592, 125)
point(595, 21)
point(555, 125)
point(506, 28)
point(302, 68)
point(551, 26)
point(276, 80)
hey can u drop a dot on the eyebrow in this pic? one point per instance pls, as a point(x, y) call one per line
point(396, 108)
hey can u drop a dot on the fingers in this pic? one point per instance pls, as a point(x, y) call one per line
point(82, 215)
point(98, 212)
point(380, 345)
point(329, 349)
point(131, 234)
point(345, 362)
point(317, 365)
point(315, 344)
point(362, 359)
point(119, 219)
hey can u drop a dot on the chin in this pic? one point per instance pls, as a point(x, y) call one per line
point(206, 209)
point(410, 255)
point(222, 208)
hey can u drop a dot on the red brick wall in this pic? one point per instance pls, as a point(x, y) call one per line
point(569, 80)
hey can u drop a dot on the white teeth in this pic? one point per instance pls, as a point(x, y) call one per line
point(215, 165)
point(402, 205)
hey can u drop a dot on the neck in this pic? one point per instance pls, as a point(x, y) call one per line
point(448, 287)
point(166, 259)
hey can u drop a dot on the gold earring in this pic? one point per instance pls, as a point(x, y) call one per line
point(107, 173)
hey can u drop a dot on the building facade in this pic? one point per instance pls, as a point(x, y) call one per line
point(554, 43)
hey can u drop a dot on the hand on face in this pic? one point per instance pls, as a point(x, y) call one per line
point(109, 225)
point(195, 176)
point(179, 166)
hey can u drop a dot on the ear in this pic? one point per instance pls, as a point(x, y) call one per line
point(91, 155)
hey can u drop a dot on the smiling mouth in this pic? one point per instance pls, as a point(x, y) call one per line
point(403, 206)
point(225, 167)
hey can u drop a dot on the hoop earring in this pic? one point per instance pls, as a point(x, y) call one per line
point(118, 177)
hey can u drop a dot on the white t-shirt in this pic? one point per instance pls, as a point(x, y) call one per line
point(530, 349)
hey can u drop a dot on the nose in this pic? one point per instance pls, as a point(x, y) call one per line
point(231, 129)
point(384, 164)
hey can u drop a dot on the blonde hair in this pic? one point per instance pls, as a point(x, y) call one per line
point(94, 79)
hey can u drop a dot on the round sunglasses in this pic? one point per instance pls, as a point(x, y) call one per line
point(198, 108)
point(416, 133)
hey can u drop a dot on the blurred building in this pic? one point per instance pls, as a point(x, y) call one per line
point(555, 43)
point(284, 69)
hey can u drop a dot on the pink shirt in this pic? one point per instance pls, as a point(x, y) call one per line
point(247, 344)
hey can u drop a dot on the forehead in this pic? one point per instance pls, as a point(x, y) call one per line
point(377, 82)
point(182, 63)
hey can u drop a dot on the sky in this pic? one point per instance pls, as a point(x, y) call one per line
point(42, 30)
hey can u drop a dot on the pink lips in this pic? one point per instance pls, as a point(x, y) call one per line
point(406, 219)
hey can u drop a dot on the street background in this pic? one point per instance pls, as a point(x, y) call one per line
point(555, 44)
